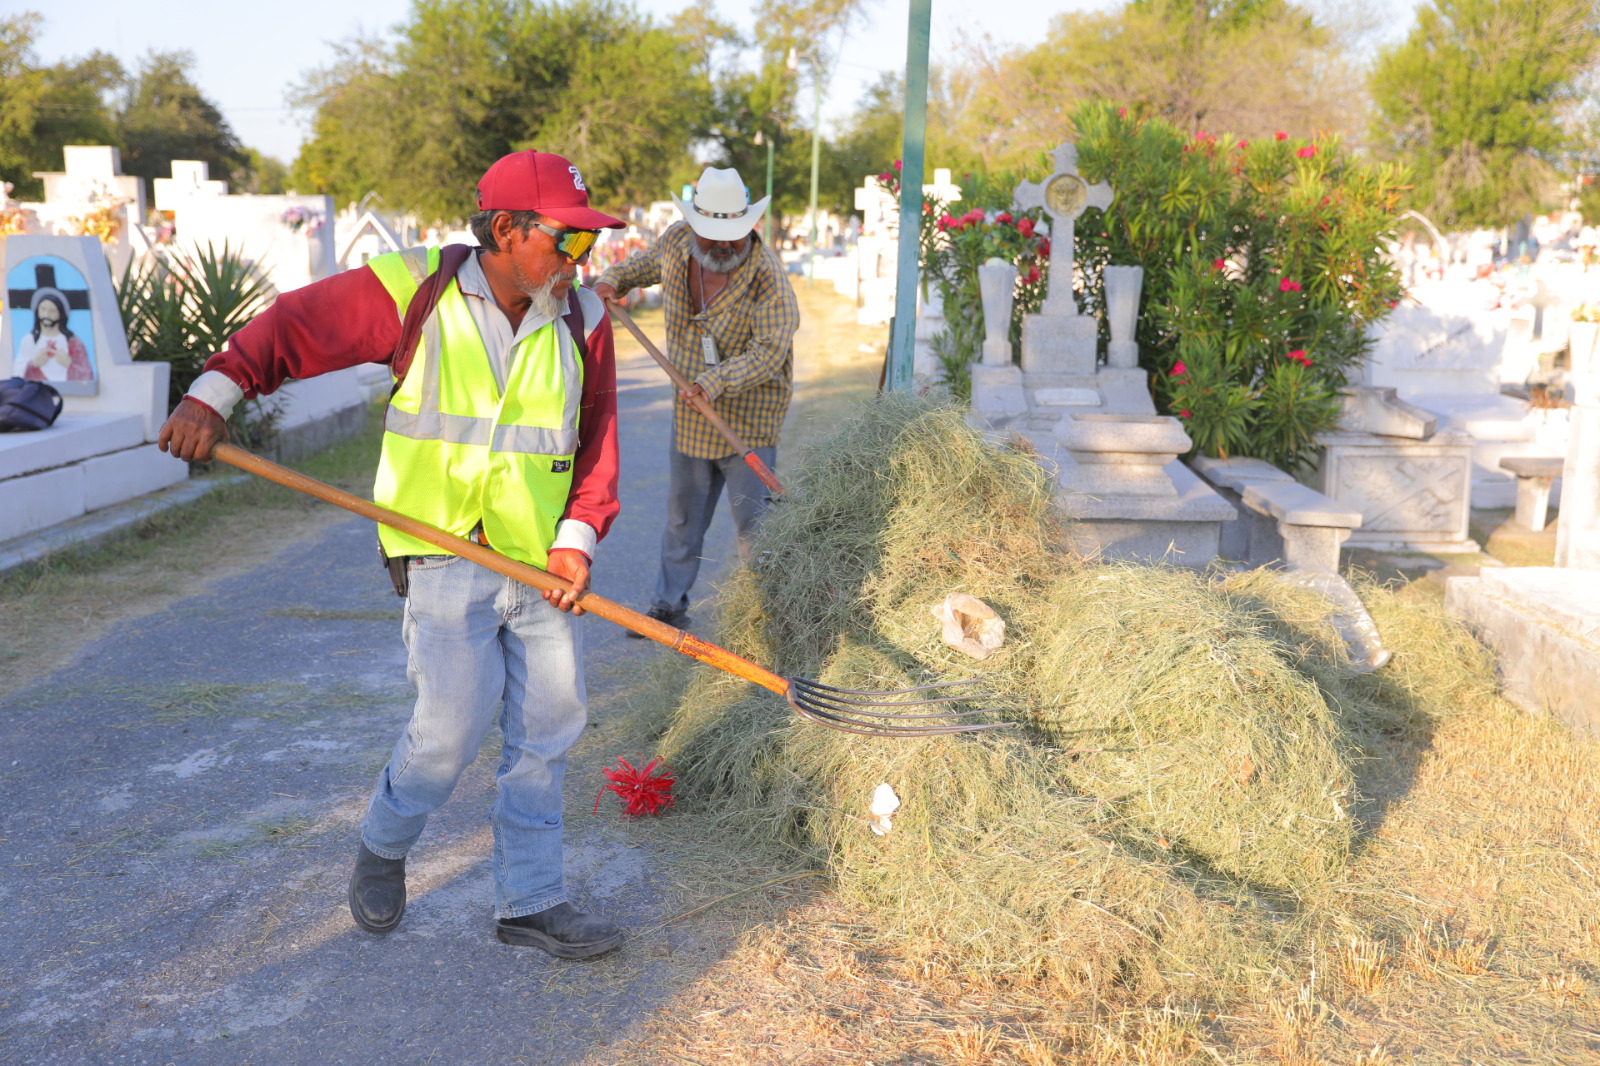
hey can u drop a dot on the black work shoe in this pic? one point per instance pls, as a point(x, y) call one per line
point(377, 891)
point(676, 619)
point(563, 931)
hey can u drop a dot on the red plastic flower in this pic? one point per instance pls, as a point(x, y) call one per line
point(1033, 275)
point(1219, 264)
point(1025, 226)
point(1178, 369)
point(1004, 216)
point(1307, 152)
point(975, 215)
point(1299, 355)
point(1044, 248)
point(1288, 286)
point(1282, 136)
point(646, 791)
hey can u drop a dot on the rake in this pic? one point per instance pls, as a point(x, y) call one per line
point(699, 403)
point(873, 714)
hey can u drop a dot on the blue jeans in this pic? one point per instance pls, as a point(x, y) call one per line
point(481, 645)
point(692, 495)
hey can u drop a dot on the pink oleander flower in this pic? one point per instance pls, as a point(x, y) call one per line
point(1122, 112)
point(1244, 144)
point(1184, 414)
point(1178, 369)
point(1219, 264)
point(1307, 152)
point(1299, 355)
point(1280, 135)
point(897, 165)
point(1287, 285)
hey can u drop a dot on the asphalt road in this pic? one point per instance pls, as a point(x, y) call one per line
point(179, 810)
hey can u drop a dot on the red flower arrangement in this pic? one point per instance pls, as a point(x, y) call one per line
point(1044, 249)
point(646, 791)
point(1004, 216)
point(1025, 227)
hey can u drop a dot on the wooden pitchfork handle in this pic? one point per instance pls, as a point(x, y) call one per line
point(676, 639)
point(699, 403)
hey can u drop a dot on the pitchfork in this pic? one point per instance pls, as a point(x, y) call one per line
point(873, 714)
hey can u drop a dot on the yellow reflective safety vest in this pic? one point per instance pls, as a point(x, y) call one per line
point(456, 449)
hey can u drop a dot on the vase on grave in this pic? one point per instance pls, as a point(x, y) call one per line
point(1123, 284)
point(997, 285)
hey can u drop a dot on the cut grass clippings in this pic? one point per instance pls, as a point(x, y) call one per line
point(1196, 773)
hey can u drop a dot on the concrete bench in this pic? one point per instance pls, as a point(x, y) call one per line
point(1310, 526)
point(1534, 475)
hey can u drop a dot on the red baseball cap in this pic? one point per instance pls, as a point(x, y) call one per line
point(542, 182)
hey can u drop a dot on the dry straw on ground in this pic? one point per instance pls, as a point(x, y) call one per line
point(1183, 786)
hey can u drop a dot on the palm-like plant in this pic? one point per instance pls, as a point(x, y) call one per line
point(181, 311)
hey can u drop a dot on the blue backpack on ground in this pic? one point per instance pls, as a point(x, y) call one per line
point(26, 405)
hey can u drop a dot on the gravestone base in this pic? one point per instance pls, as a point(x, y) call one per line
point(82, 463)
point(1544, 624)
point(998, 398)
point(1059, 344)
point(1413, 495)
point(1183, 529)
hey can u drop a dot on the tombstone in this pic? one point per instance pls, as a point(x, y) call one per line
point(191, 180)
point(365, 238)
point(1449, 349)
point(91, 193)
point(1059, 340)
point(62, 325)
point(1058, 374)
point(1410, 481)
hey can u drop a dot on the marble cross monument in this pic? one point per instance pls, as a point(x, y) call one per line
point(1059, 340)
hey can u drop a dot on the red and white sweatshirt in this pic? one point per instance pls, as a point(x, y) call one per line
point(350, 319)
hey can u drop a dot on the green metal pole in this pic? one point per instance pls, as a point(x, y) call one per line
point(816, 156)
point(766, 219)
point(902, 343)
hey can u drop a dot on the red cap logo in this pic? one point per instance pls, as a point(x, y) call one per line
point(543, 182)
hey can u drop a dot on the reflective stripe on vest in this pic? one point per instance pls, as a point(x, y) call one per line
point(456, 449)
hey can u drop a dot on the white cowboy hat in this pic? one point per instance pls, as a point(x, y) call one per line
point(721, 209)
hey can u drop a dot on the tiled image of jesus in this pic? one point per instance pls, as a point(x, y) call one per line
point(51, 351)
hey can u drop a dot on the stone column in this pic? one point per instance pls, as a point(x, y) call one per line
point(1578, 531)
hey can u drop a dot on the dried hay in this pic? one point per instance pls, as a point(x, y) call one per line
point(1183, 782)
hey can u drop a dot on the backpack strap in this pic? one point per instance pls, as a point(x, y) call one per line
point(574, 321)
point(422, 304)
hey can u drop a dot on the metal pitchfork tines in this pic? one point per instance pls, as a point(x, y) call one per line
point(836, 709)
point(872, 714)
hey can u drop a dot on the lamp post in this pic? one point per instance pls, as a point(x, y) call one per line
point(903, 340)
point(766, 217)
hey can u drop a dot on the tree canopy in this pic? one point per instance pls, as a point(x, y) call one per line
point(1475, 99)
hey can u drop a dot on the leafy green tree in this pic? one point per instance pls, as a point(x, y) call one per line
point(165, 116)
point(420, 119)
point(43, 107)
point(1474, 100)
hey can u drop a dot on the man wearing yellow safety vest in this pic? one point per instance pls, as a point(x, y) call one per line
point(502, 427)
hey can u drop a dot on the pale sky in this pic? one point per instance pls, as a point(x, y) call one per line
point(248, 55)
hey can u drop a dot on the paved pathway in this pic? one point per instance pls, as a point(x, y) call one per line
point(178, 812)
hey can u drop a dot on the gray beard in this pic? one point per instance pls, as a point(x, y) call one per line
point(721, 264)
point(542, 298)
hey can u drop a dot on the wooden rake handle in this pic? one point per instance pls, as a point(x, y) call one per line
point(699, 403)
point(676, 639)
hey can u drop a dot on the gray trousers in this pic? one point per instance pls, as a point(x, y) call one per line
point(691, 504)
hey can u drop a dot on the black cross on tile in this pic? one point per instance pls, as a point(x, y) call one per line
point(44, 277)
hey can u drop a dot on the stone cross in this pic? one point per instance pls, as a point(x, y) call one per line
point(191, 178)
point(1064, 195)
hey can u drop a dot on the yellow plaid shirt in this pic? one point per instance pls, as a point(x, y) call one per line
point(752, 322)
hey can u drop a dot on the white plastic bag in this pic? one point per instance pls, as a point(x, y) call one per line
point(881, 810)
point(969, 625)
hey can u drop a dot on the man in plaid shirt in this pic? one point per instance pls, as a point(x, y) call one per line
point(731, 319)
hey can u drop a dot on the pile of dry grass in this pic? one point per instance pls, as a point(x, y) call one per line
point(1183, 782)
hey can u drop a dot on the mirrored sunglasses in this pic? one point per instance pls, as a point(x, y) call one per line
point(572, 243)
